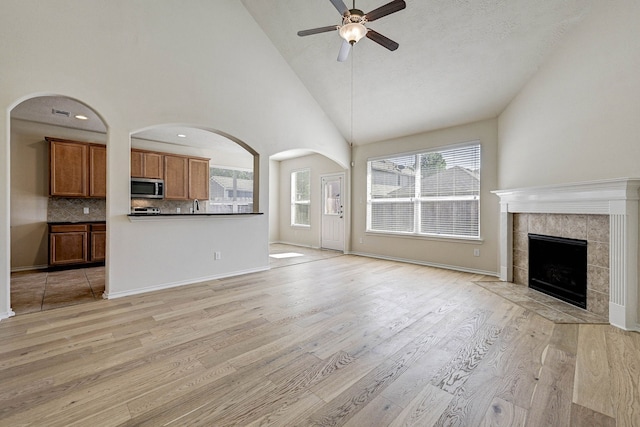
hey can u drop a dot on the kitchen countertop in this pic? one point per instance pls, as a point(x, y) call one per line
point(138, 216)
point(75, 222)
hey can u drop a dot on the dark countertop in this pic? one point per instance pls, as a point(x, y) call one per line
point(190, 215)
point(75, 222)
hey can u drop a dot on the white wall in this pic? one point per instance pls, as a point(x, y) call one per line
point(318, 165)
point(140, 64)
point(578, 119)
point(440, 252)
point(274, 201)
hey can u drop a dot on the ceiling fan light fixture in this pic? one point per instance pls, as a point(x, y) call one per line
point(353, 32)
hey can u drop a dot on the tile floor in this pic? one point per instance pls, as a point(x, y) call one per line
point(33, 291)
point(548, 307)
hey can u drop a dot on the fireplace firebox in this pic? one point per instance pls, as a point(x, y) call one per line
point(558, 267)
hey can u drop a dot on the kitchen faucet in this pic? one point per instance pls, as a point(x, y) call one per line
point(196, 206)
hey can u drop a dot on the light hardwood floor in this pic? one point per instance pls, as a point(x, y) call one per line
point(344, 340)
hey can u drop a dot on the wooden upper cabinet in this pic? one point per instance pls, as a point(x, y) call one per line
point(185, 178)
point(77, 169)
point(68, 168)
point(145, 164)
point(199, 179)
point(176, 177)
point(97, 171)
point(137, 160)
point(153, 165)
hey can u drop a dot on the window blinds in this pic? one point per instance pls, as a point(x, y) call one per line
point(429, 193)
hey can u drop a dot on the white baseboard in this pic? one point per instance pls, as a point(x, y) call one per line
point(113, 295)
point(298, 245)
point(428, 264)
point(7, 314)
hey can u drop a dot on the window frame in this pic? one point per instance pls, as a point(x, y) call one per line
point(417, 200)
point(236, 201)
point(295, 203)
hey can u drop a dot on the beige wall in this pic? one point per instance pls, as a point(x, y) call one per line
point(578, 119)
point(442, 252)
point(318, 165)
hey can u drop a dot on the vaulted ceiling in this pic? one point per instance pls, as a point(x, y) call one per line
point(459, 60)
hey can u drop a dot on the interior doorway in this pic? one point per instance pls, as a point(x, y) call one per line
point(49, 273)
point(332, 224)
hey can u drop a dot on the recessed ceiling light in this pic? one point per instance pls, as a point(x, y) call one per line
point(182, 135)
point(81, 117)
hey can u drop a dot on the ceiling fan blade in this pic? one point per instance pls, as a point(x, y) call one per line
point(339, 4)
point(382, 40)
point(387, 9)
point(317, 30)
point(344, 51)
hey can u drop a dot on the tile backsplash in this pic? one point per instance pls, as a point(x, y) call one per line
point(169, 206)
point(62, 209)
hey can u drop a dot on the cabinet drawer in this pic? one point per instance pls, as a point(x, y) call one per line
point(98, 227)
point(68, 228)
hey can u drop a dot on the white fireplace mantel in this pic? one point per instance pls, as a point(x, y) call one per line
point(617, 198)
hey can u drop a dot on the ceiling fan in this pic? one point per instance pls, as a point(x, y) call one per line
point(353, 26)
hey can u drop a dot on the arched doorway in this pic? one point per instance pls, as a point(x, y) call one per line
point(41, 280)
point(309, 205)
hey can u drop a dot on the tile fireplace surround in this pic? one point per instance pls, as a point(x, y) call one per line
point(615, 198)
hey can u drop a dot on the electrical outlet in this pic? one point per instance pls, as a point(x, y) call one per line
point(476, 252)
point(86, 211)
point(217, 255)
point(361, 240)
point(177, 210)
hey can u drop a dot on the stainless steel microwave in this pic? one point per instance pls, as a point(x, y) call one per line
point(145, 188)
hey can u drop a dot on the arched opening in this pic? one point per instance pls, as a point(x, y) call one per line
point(58, 235)
point(308, 207)
point(200, 170)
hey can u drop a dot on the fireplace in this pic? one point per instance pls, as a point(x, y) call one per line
point(558, 267)
point(617, 200)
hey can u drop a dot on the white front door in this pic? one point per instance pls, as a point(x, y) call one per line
point(333, 212)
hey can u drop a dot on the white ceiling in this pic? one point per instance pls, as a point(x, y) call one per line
point(58, 111)
point(61, 111)
point(459, 60)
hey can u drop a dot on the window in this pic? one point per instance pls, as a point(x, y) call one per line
point(300, 197)
point(433, 193)
point(230, 190)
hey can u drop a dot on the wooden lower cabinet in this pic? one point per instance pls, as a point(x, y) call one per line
point(98, 242)
point(72, 244)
